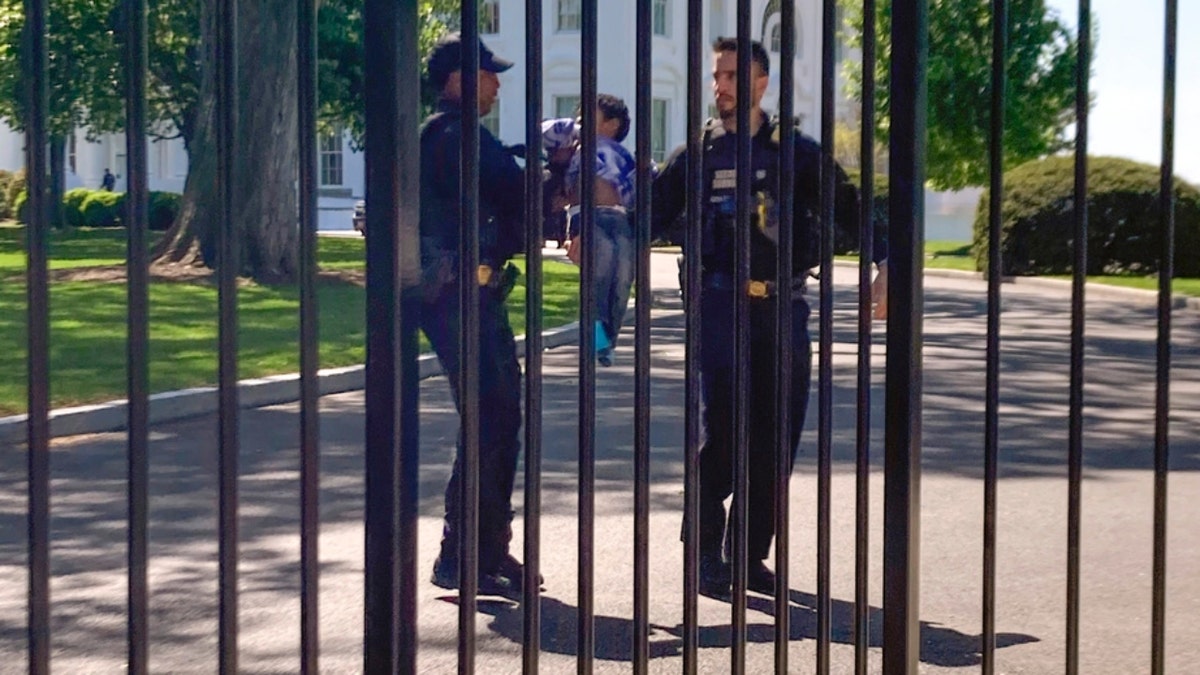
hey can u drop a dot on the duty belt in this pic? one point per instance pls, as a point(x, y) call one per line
point(756, 289)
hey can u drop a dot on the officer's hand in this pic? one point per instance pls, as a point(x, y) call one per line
point(879, 292)
point(574, 250)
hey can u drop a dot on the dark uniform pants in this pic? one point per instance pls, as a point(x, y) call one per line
point(499, 416)
point(717, 357)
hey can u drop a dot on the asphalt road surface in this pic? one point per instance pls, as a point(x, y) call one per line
point(88, 511)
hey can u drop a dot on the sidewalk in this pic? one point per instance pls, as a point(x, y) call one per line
point(89, 505)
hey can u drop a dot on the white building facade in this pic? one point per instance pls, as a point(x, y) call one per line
point(341, 174)
point(504, 31)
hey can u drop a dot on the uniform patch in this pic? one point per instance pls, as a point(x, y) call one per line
point(724, 179)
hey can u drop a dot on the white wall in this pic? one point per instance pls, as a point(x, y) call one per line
point(617, 62)
point(616, 71)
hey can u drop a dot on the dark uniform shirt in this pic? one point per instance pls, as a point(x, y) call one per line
point(501, 189)
point(718, 204)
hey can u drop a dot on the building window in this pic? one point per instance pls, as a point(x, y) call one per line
point(566, 106)
point(772, 32)
point(71, 156)
point(331, 158)
point(568, 15)
point(661, 19)
point(658, 130)
point(489, 17)
point(491, 121)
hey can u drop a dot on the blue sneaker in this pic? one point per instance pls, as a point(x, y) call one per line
point(602, 342)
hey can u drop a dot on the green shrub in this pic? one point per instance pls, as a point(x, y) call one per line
point(5, 204)
point(72, 206)
point(102, 208)
point(164, 207)
point(845, 241)
point(1124, 235)
point(19, 207)
point(16, 185)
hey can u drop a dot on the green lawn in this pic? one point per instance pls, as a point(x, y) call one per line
point(946, 255)
point(87, 350)
point(68, 249)
point(956, 255)
point(949, 255)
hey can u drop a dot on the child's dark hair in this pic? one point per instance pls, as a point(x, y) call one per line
point(613, 107)
point(758, 54)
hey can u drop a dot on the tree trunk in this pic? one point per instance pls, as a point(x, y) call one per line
point(58, 179)
point(265, 150)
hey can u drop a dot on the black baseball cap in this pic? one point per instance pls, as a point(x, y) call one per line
point(446, 57)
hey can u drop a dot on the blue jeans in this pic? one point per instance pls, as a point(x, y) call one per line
point(613, 270)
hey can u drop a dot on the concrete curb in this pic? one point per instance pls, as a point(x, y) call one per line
point(254, 393)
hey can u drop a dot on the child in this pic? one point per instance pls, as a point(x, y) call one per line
point(612, 236)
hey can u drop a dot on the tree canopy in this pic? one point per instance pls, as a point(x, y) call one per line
point(85, 41)
point(1040, 93)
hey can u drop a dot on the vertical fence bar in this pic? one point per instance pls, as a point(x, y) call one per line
point(641, 473)
point(783, 330)
point(1078, 295)
point(862, 480)
point(991, 434)
point(38, 313)
point(391, 74)
point(138, 330)
point(306, 54)
point(469, 347)
point(587, 343)
point(902, 466)
point(228, 243)
point(534, 284)
point(691, 301)
point(741, 370)
point(825, 376)
point(1162, 392)
point(406, 251)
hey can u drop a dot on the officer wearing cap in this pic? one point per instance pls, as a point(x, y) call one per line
point(501, 234)
point(719, 292)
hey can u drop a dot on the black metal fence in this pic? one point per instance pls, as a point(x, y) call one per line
point(392, 408)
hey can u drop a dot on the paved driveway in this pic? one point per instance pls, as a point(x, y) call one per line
point(88, 511)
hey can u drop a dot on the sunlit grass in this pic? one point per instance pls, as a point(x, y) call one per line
point(949, 255)
point(957, 255)
point(88, 321)
point(1178, 286)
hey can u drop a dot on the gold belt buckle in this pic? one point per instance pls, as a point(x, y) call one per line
point(756, 289)
point(483, 274)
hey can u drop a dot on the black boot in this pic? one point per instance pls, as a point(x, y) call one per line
point(445, 573)
point(714, 576)
point(504, 582)
point(759, 578)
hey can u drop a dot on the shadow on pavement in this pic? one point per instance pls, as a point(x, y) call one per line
point(940, 645)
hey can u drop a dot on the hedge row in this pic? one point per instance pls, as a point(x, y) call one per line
point(85, 207)
point(12, 183)
point(1124, 230)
